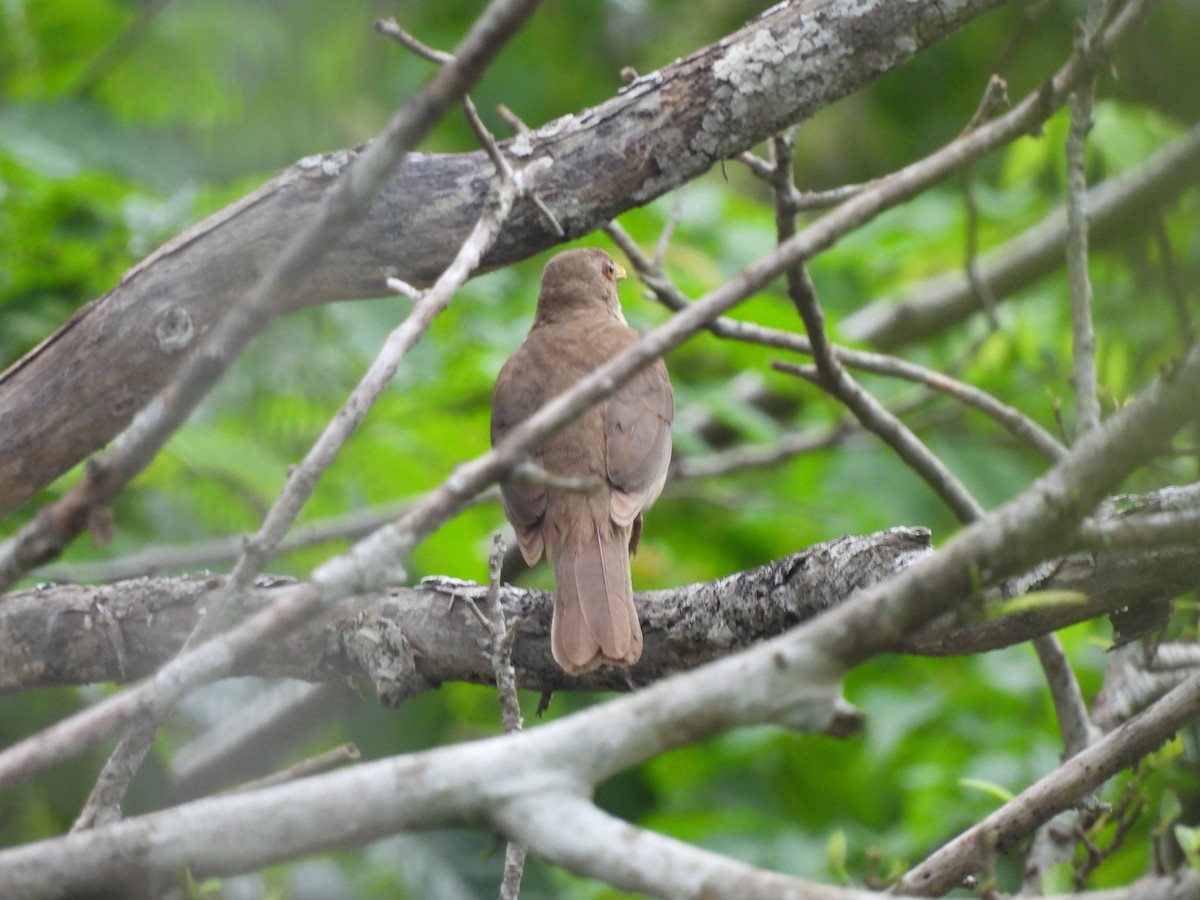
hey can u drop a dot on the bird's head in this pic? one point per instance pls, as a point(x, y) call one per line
point(580, 280)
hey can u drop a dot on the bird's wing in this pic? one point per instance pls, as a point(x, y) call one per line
point(524, 504)
point(637, 430)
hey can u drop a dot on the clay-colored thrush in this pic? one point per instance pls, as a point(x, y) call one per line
point(623, 443)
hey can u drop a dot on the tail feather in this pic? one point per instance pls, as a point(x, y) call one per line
point(595, 621)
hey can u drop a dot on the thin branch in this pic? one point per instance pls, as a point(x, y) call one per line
point(804, 201)
point(1083, 336)
point(877, 419)
point(668, 231)
point(757, 456)
point(391, 28)
point(995, 96)
point(502, 635)
point(1077, 728)
point(547, 215)
point(994, 99)
point(306, 768)
point(1069, 706)
point(400, 286)
point(983, 293)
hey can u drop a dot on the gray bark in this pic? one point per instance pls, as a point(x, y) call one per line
point(407, 640)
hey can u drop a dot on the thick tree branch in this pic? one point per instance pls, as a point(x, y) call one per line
point(74, 634)
point(69, 396)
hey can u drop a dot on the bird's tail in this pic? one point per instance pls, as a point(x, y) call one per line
point(595, 621)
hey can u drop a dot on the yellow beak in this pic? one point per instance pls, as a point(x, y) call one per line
point(621, 273)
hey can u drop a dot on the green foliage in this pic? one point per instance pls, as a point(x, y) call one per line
point(109, 147)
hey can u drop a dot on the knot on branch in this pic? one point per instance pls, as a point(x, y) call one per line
point(379, 646)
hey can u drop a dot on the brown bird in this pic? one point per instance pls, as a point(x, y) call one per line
point(624, 443)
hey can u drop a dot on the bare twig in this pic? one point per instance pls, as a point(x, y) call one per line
point(668, 231)
point(995, 96)
point(1069, 706)
point(1083, 336)
point(804, 201)
point(987, 300)
point(741, 459)
point(314, 765)
point(502, 636)
point(994, 99)
point(400, 286)
point(391, 28)
point(514, 122)
point(1077, 728)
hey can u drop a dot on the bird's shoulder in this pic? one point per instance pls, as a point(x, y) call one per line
point(567, 350)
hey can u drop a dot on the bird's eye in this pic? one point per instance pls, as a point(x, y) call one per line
point(610, 268)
